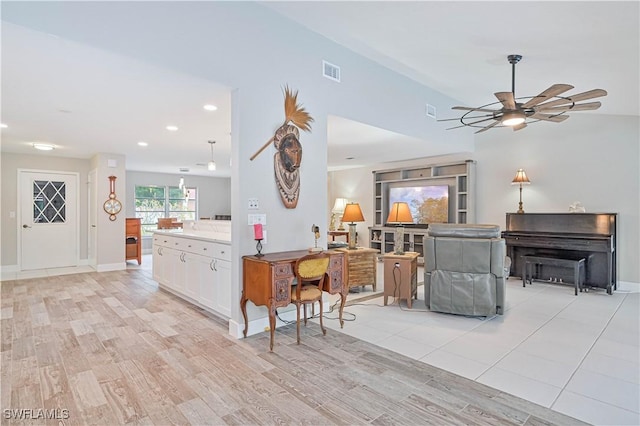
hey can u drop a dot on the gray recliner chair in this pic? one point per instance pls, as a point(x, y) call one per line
point(464, 269)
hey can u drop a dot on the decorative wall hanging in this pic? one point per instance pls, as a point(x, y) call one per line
point(286, 161)
point(112, 206)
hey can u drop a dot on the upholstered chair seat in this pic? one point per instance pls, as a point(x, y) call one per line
point(311, 274)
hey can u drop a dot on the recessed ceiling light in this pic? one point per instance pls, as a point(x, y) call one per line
point(4, 126)
point(142, 143)
point(349, 158)
point(172, 128)
point(210, 107)
point(43, 146)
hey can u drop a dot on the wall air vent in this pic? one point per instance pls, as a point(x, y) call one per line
point(431, 111)
point(184, 169)
point(332, 72)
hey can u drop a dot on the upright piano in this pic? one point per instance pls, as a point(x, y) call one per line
point(591, 236)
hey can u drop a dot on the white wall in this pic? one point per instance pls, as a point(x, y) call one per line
point(594, 159)
point(591, 158)
point(9, 165)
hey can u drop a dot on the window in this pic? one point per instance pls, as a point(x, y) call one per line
point(153, 202)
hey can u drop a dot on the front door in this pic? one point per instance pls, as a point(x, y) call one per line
point(48, 219)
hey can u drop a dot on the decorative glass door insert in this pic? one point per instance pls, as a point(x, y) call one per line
point(49, 201)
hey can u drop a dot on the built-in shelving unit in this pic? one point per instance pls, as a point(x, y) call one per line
point(458, 176)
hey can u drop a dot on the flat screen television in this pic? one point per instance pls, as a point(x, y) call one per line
point(428, 203)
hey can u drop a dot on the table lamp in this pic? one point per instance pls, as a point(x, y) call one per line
point(399, 215)
point(520, 178)
point(337, 211)
point(352, 213)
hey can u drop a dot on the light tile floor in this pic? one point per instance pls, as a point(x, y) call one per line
point(579, 355)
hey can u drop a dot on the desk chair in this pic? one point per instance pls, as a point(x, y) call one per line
point(311, 273)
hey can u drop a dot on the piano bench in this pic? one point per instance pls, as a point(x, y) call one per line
point(578, 266)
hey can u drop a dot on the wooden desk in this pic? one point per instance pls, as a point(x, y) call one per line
point(361, 266)
point(403, 283)
point(266, 281)
point(334, 234)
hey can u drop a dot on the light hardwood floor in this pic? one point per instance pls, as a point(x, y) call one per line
point(111, 348)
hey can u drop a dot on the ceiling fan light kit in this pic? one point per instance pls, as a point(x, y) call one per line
point(517, 113)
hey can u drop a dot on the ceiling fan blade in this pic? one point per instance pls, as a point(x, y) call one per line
point(549, 117)
point(519, 126)
point(469, 124)
point(469, 118)
point(485, 128)
point(595, 93)
point(552, 91)
point(578, 107)
point(474, 109)
point(507, 99)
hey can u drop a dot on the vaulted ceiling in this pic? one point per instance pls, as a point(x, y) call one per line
point(457, 48)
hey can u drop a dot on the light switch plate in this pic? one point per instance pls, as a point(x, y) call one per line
point(253, 204)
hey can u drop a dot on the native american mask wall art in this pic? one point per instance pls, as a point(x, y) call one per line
point(286, 140)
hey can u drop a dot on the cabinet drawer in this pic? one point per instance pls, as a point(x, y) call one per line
point(222, 251)
point(197, 247)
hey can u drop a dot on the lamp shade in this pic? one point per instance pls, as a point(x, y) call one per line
point(400, 213)
point(339, 205)
point(352, 213)
point(521, 177)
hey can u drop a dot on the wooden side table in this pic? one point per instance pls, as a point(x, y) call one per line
point(334, 234)
point(401, 276)
point(361, 266)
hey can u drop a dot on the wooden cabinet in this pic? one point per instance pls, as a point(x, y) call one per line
point(133, 240)
point(361, 266)
point(195, 269)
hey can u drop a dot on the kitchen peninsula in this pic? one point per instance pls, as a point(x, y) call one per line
point(194, 263)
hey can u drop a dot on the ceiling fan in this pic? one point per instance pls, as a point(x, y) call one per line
point(518, 112)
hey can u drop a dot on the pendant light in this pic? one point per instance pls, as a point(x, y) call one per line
point(211, 165)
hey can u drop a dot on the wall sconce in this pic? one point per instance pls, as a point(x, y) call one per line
point(399, 214)
point(520, 178)
point(337, 211)
point(352, 213)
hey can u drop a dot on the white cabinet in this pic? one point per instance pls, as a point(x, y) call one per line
point(196, 269)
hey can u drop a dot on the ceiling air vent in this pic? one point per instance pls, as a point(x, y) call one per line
point(332, 72)
point(431, 111)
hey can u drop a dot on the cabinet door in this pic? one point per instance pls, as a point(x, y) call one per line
point(207, 282)
point(173, 270)
point(158, 263)
point(223, 286)
point(191, 263)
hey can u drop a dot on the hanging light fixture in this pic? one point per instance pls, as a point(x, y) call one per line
point(181, 183)
point(211, 165)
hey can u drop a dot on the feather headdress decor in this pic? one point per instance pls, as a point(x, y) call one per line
point(287, 159)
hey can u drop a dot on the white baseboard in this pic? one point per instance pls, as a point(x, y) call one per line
point(628, 286)
point(107, 267)
point(259, 325)
point(8, 268)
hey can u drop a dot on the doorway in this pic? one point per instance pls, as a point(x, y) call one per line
point(48, 227)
